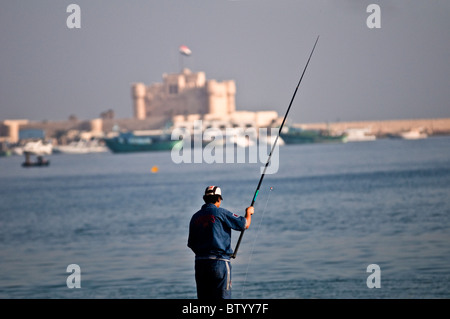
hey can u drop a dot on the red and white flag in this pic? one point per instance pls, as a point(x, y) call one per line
point(185, 50)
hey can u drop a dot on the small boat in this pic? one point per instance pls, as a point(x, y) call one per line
point(294, 135)
point(5, 149)
point(413, 135)
point(38, 147)
point(142, 141)
point(270, 139)
point(5, 153)
point(359, 135)
point(81, 147)
point(232, 136)
point(39, 162)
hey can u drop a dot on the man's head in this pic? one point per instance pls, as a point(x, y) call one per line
point(213, 195)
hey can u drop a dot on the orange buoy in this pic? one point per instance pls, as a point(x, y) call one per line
point(155, 169)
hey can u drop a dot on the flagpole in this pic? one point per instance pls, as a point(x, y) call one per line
point(184, 51)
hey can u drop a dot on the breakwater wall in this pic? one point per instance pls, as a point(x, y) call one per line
point(438, 126)
point(9, 129)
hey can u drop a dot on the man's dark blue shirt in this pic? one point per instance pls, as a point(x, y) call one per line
point(210, 231)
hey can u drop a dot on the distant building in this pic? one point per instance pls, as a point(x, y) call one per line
point(37, 134)
point(184, 93)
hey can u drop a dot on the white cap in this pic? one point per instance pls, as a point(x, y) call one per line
point(213, 190)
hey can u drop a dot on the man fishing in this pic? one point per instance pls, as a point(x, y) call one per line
point(210, 240)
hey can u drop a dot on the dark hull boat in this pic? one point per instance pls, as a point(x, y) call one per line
point(40, 162)
point(141, 142)
point(300, 136)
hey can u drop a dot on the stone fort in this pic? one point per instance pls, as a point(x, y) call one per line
point(183, 94)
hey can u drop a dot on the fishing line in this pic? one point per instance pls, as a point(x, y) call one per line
point(254, 242)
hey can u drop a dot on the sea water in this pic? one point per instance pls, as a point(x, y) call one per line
point(329, 212)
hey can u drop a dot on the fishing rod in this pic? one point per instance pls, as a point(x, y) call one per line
point(273, 146)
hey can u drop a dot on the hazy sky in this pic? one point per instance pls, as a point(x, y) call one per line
point(401, 70)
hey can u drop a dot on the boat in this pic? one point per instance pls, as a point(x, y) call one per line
point(38, 147)
point(413, 134)
point(82, 147)
point(142, 141)
point(232, 135)
point(270, 140)
point(40, 162)
point(359, 135)
point(5, 149)
point(5, 153)
point(295, 135)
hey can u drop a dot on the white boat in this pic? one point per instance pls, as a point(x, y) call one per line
point(82, 147)
point(235, 136)
point(270, 139)
point(38, 148)
point(359, 135)
point(413, 134)
point(238, 137)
